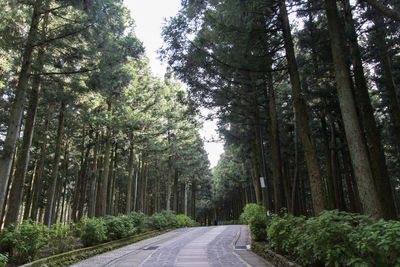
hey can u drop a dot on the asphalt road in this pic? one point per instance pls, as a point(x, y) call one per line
point(186, 247)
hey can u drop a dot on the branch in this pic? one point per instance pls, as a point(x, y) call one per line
point(62, 36)
point(64, 72)
point(384, 10)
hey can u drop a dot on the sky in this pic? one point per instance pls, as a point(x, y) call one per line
point(149, 17)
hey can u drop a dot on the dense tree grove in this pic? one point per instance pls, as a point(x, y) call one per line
point(86, 129)
point(306, 93)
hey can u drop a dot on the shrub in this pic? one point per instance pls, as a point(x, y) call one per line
point(23, 242)
point(183, 220)
point(61, 238)
point(337, 239)
point(3, 259)
point(158, 221)
point(249, 211)
point(93, 231)
point(255, 215)
point(170, 217)
point(118, 227)
point(284, 233)
point(138, 219)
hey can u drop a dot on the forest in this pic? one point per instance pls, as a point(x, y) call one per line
point(305, 94)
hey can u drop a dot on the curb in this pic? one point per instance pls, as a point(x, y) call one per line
point(271, 256)
point(74, 256)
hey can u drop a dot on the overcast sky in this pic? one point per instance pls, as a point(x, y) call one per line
point(149, 17)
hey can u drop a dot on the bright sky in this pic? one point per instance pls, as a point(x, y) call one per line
point(149, 17)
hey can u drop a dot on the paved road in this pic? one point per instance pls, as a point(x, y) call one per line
point(187, 247)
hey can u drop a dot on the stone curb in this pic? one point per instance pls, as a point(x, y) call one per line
point(271, 256)
point(74, 256)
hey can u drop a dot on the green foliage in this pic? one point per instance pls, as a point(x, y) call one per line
point(23, 242)
point(337, 239)
point(118, 227)
point(93, 231)
point(172, 221)
point(158, 221)
point(251, 210)
point(61, 238)
point(284, 232)
point(139, 220)
point(232, 222)
point(3, 259)
point(254, 215)
point(185, 221)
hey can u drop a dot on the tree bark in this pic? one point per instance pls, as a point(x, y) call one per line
point(358, 151)
point(275, 148)
point(93, 176)
point(307, 140)
point(371, 132)
point(7, 154)
point(130, 178)
point(50, 205)
point(106, 169)
point(39, 169)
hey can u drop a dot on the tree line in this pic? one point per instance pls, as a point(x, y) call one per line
point(86, 129)
point(306, 93)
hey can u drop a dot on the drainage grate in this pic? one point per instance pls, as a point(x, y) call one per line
point(240, 247)
point(151, 248)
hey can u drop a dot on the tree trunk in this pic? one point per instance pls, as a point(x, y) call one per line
point(28, 202)
point(275, 146)
point(193, 202)
point(130, 178)
point(106, 169)
point(169, 183)
point(93, 176)
point(328, 159)
point(358, 151)
point(50, 205)
point(39, 169)
point(371, 132)
point(175, 208)
point(307, 140)
point(7, 154)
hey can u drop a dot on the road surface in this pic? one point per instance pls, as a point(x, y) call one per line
point(187, 247)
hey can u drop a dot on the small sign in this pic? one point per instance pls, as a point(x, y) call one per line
point(262, 182)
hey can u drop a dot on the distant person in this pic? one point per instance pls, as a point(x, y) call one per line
point(215, 222)
point(220, 222)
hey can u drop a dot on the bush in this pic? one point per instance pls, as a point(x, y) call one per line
point(337, 239)
point(138, 219)
point(254, 215)
point(171, 218)
point(185, 221)
point(61, 238)
point(23, 242)
point(119, 227)
point(3, 259)
point(93, 231)
point(284, 233)
point(248, 211)
point(158, 221)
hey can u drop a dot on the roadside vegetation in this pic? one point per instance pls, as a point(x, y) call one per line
point(31, 240)
point(332, 239)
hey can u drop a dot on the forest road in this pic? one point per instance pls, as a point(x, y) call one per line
point(222, 246)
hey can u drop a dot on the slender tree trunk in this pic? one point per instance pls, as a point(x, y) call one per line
point(130, 178)
point(193, 202)
point(93, 176)
point(106, 169)
point(358, 151)
point(371, 132)
point(295, 191)
point(186, 197)
point(307, 140)
point(28, 202)
point(7, 153)
point(110, 190)
point(175, 208)
point(337, 185)
point(169, 183)
point(49, 214)
point(275, 148)
point(39, 169)
point(328, 159)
